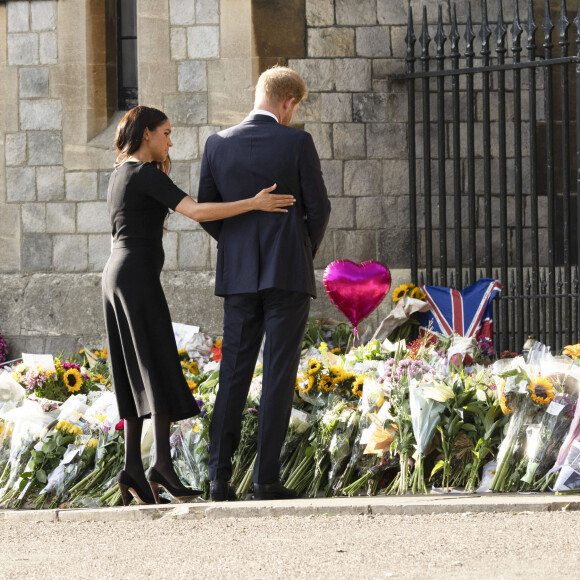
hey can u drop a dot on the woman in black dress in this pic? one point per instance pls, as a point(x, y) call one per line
point(145, 366)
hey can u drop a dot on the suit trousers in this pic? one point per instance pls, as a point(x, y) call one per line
point(282, 315)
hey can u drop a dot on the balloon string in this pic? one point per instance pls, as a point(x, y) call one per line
point(355, 330)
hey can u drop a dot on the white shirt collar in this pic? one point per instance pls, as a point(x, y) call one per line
point(262, 112)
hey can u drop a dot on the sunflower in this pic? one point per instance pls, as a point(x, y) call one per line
point(192, 386)
point(306, 383)
point(503, 399)
point(417, 293)
point(326, 383)
point(335, 350)
point(399, 292)
point(73, 380)
point(314, 366)
point(542, 390)
point(572, 350)
point(337, 373)
point(357, 386)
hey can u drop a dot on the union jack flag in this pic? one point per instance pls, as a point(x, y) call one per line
point(466, 312)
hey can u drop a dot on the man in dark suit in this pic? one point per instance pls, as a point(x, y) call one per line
point(265, 272)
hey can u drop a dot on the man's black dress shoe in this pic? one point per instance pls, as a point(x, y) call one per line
point(273, 491)
point(220, 490)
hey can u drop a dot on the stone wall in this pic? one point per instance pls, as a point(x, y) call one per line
point(198, 60)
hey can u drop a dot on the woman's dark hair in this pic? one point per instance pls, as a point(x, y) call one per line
point(130, 132)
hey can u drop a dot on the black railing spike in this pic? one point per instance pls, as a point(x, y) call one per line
point(410, 39)
point(563, 25)
point(469, 34)
point(532, 27)
point(485, 31)
point(501, 29)
point(440, 37)
point(516, 29)
point(547, 26)
point(454, 35)
point(425, 38)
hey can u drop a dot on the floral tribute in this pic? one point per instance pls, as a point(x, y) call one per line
point(394, 418)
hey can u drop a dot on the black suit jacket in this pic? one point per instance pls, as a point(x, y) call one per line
point(260, 250)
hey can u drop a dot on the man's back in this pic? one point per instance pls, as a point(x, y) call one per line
point(258, 250)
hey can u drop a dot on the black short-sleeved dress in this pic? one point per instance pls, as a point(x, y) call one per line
point(147, 376)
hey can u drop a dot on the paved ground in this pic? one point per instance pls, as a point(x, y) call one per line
point(486, 537)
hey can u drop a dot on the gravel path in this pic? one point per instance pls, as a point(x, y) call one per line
point(487, 545)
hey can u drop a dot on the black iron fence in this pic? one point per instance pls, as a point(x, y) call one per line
point(493, 179)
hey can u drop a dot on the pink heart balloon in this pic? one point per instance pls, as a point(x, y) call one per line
point(356, 289)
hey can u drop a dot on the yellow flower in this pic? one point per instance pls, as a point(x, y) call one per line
point(417, 293)
point(195, 428)
point(326, 383)
point(104, 353)
point(82, 351)
point(182, 352)
point(192, 386)
point(357, 386)
point(399, 292)
point(305, 382)
point(572, 350)
point(335, 350)
point(73, 380)
point(92, 442)
point(217, 343)
point(314, 366)
point(337, 373)
point(542, 390)
point(503, 399)
point(323, 348)
point(100, 417)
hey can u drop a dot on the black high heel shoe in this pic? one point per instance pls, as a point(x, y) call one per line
point(130, 489)
point(156, 481)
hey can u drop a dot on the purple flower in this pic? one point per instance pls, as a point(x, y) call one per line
point(203, 413)
point(252, 410)
point(199, 403)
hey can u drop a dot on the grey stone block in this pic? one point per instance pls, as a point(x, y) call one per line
point(178, 44)
point(13, 288)
point(325, 253)
point(70, 253)
point(36, 252)
point(370, 107)
point(319, 12)
point(309, 109)
point(48, 49)
point(394, 248)
point(205, 132)
point(180, 175)
point(354, 245)
point(362, 178)
point(336, 107)
point(193, 250)
point(10, 246)
point(170, 241)
point(186, 109)
point(389, 12)
point(373, 41)
point(33, 82)
point(22, 49)
point(387, 141)
point(93, 217)
point(396, 177)
point(15, 149)
point(332, 175)
point(103, 179)
point(182, 12)
point(179, 223)
point(184, 143)
point(34, 218)
point(61, 218)
point(56, 345)
point(17, 16)
point(342, 214)
point(203, 42)
point(192, 76)
point(318, 74)
point(371, 212)
point(325, 42)
point(194, 175)
point(398, 42)
point(40, 115)
point(207, 11)
point(383, 68)
point(50, 183)
point(20, 184)
point(353, 74)
point(349, 141)
point(19, 344)
point(356, 12)
point(322, 136)
point(81, 185)
point(45, 148)
point(43, 14)
point(99, 251)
